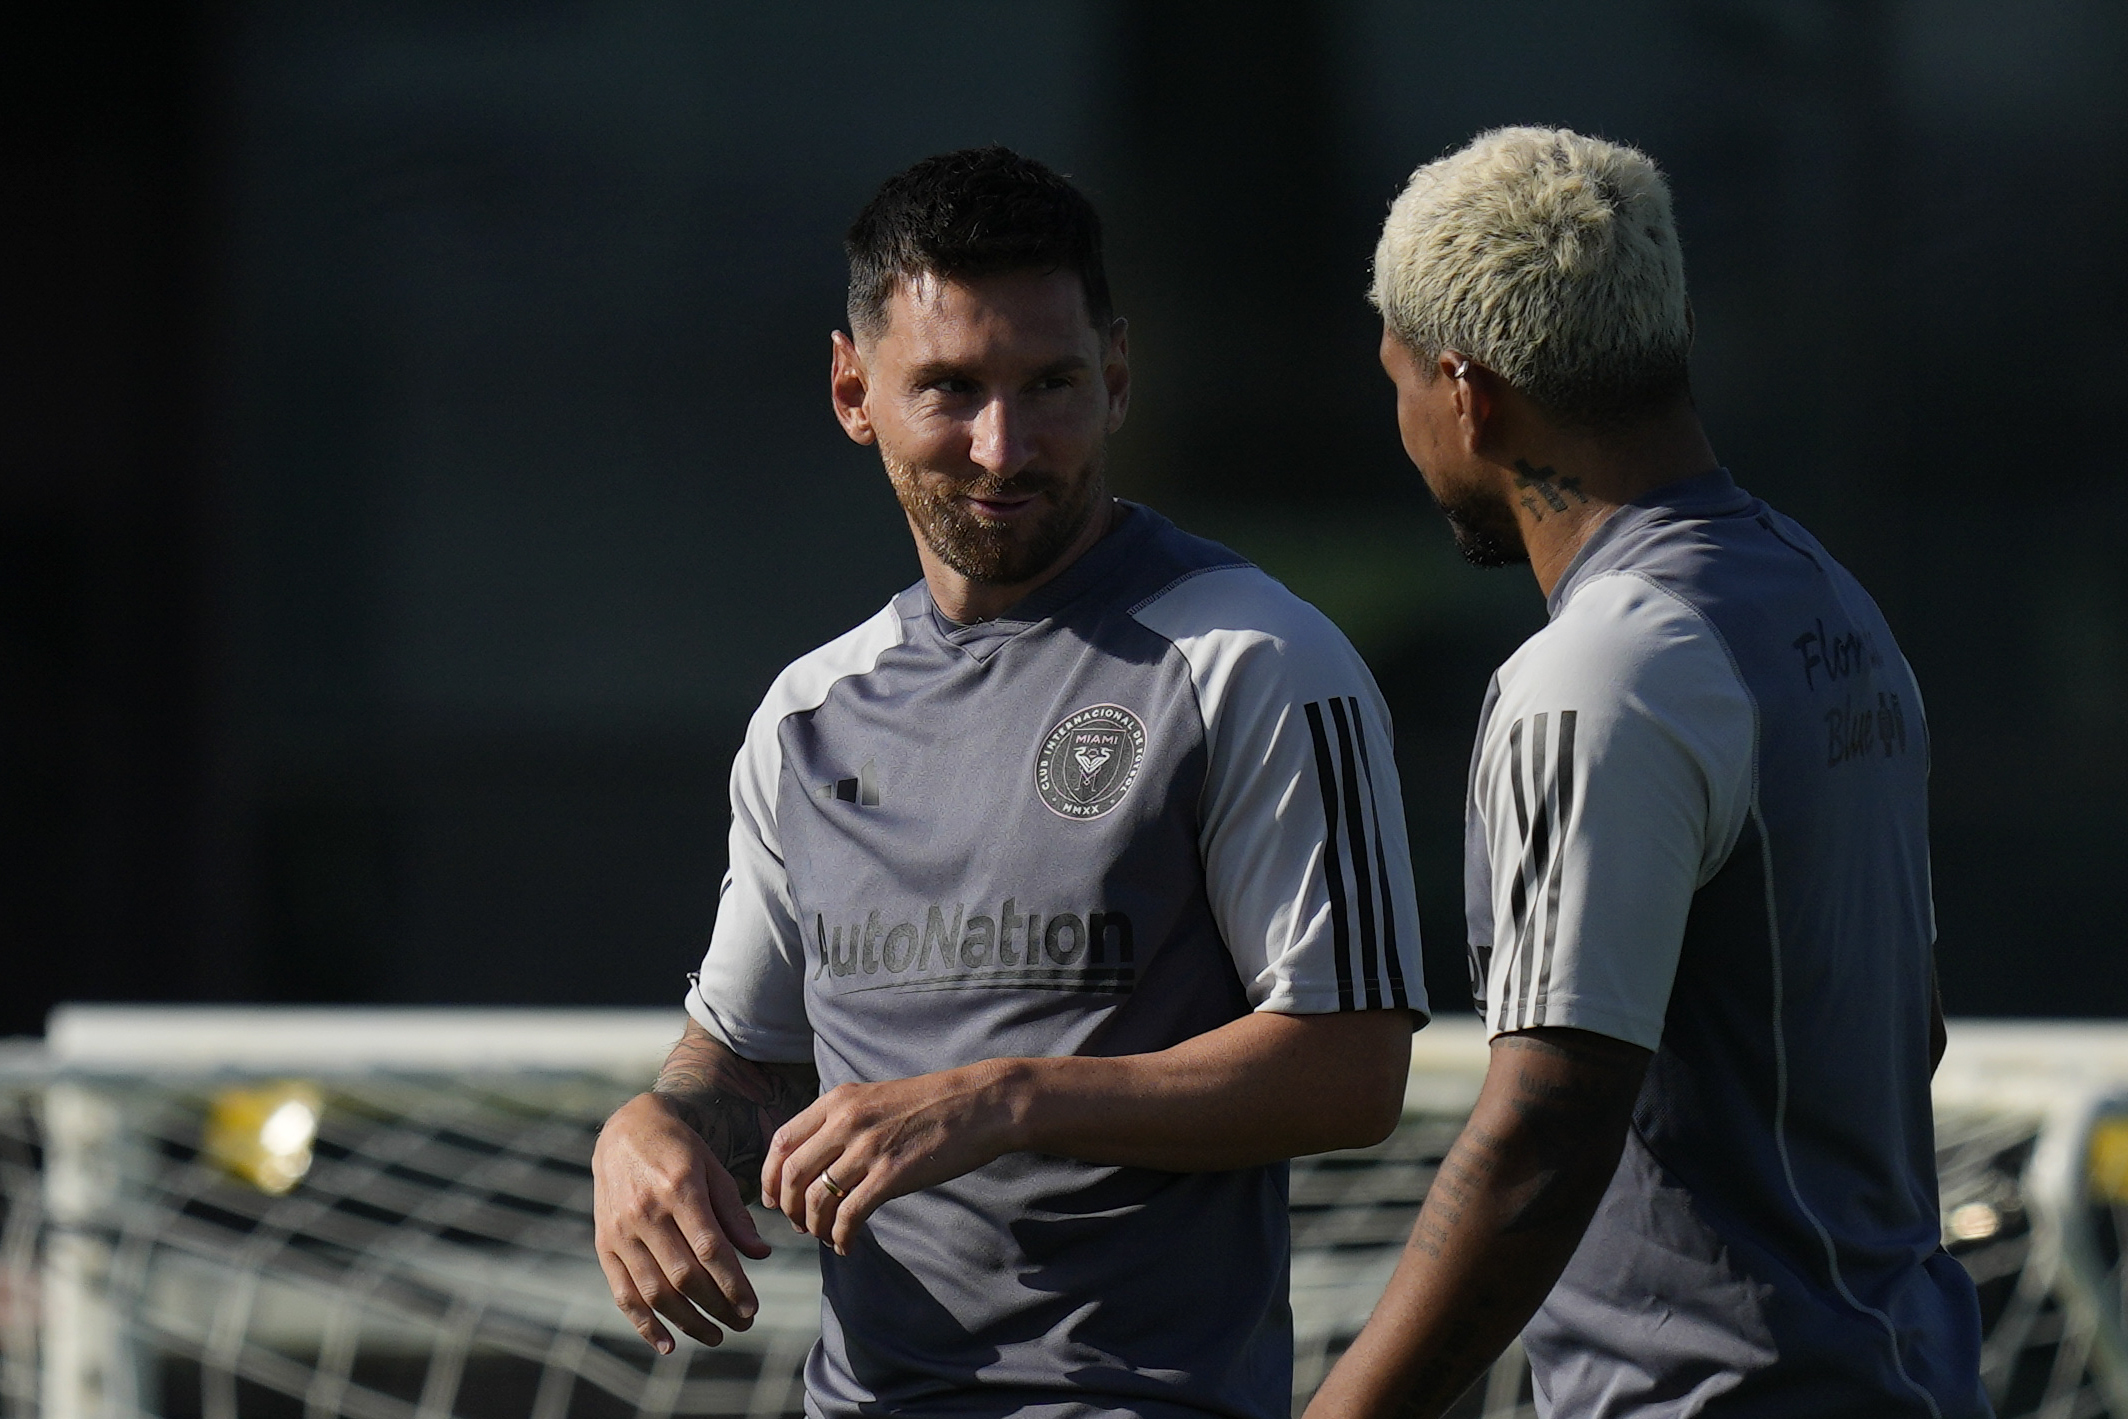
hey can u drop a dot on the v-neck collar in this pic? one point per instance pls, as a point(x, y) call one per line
point(1095, 565)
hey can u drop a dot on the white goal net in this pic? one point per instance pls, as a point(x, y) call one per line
point(408, 1235)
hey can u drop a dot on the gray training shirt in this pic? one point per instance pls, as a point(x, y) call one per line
point(1155, 796)
point(1699, 823)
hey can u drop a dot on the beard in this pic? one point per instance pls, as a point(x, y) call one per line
point(999, 554)
point(1484, 530)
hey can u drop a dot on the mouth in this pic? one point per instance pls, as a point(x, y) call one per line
point(1002, 507)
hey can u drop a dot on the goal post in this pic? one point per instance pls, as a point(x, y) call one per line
point(385, 1214)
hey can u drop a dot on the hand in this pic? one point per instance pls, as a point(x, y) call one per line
point(670, 1227)
point(880, 1141)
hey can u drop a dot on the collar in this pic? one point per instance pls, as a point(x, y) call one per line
point(1134, 524)
point(1710, 494)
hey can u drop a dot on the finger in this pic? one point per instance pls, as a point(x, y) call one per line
point(678, 1249)
point(664, 1296)
point(796, 1181)
point(810, 1146)
point(700, 1259)
point(857, 1209)
point(733, 1216)
point(822, 1204)
point(792, 1204)
point(772, 1172)
point(631, 1304)
point(779, 1189)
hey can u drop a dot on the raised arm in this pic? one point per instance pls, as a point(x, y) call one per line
point(1499, 1225)
point(672, 1173)
point(1265, 1087)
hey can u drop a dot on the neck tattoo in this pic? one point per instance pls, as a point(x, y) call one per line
point(1543, 489)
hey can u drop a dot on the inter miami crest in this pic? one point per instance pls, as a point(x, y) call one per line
point(1088, 762)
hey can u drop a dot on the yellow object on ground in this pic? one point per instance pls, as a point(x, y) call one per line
point(263, 1133)
point(2109, 1158)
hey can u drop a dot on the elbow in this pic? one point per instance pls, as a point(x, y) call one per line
point(1373, 1104)
point(1383, 1111)
point(1341, 1079)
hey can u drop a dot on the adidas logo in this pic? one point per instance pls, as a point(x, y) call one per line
point(862, 790)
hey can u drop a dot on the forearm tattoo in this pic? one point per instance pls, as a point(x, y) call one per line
point(1528, 1176)
point(735, 1104)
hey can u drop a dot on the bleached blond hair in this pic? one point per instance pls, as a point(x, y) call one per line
point(1551, 259)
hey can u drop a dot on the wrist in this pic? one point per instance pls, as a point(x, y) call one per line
point(1011, 1090)
point(689, 1111)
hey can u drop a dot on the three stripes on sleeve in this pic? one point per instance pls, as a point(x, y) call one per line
point(1540, 763)
point(1355, 867)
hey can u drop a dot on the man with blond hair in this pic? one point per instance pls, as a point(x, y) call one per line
point(1700, 1171)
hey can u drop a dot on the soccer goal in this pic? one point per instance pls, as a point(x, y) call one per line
point(386, 1215)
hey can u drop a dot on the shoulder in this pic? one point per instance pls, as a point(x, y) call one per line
point(806, 682)
point(1226, 616)
point(1641, 675)
point(804, 685)
point(1234, 625)
point(1621, 633)
point(1161, 557)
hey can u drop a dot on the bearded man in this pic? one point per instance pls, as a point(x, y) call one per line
point(1700, 1178)
point(1068, 894)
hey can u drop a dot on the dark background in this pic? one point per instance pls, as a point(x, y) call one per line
point(415, 458)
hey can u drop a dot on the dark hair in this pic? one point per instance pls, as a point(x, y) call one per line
point(976, 212)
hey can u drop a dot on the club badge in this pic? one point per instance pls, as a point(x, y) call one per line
point(1089, 761)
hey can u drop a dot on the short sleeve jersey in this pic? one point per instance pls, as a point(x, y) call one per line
point(1698, 823)
point(1155, 796)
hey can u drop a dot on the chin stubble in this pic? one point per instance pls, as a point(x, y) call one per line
point(989, 554)
point(1485, 533)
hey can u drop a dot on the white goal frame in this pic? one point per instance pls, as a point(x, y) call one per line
point(2064, 1077)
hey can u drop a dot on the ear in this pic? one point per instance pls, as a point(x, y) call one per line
point(1475, 397)
point(848, 384)
point(1115, 372)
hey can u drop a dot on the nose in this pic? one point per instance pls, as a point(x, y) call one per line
point(999, 442)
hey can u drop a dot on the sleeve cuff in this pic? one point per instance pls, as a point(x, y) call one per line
point(759, 1046)
point(1568, 1013)
point(1286, 1001)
